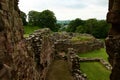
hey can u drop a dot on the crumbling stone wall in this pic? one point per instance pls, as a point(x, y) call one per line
point(16, 64)
point(113, 39)
point(74, 65)
point(20, 58)
point(80, 47)
point(41, 47)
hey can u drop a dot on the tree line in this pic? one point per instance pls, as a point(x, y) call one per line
point(47, 19)
point(97, 28)
point(44, 19)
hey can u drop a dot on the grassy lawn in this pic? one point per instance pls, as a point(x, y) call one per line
point(97, 53)
point(95, 70)
point(30, 29)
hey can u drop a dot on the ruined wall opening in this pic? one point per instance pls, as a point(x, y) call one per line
point(45, 63)
point(18, 62)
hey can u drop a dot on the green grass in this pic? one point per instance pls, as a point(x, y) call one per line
point(97, 53)
point(95, 71)
point(59, 70)
point(30, 29)
point(81, 38)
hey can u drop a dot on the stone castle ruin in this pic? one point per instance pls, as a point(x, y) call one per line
point(113, 39)
point(29, 58)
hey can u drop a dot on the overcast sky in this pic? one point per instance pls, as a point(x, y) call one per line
point(68, 9)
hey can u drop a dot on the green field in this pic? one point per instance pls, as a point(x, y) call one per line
point(97, 53)
point(30, 29)
point(95, 70)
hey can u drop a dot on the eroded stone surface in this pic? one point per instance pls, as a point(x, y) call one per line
point(74, 65)
point(113, 39)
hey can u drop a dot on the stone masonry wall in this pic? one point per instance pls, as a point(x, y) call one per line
point(113, 39)
point(15, 63)
point(20, 58)
point(74, 65)
point(41, 47)
point(81, 47)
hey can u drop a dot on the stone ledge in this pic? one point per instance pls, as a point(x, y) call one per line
point(102, 61)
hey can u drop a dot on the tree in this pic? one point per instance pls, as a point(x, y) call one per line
point(80, 29)
point(44, 19)
point(97, 28)
point(47, 19)
point(33, 18)
point(101, 29)
point(23, 17)
point(90, 24)
point(74, 24)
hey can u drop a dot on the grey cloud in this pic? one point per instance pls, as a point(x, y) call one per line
point(70, 3)
point(79, 3)
point(65, 6)
point(102, 3)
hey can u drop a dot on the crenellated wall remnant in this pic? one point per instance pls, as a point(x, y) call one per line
point(113, 39)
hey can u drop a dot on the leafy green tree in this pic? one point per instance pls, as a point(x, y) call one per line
point(97, 28)
point(101, 29)
point(74, 24)
point(47, 19)
point(23, 17)
point(90, 24)
point(81, 29)
point(33, 18)
point(44, 19)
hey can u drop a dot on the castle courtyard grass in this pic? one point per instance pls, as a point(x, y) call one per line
point(101, 53)
point(95, 70)
point(29, 29)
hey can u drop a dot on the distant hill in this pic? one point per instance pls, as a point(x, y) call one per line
point(64, 22)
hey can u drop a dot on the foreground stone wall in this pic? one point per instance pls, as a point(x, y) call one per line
point(22, 59)
point(113, 39)
point(15, 62)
